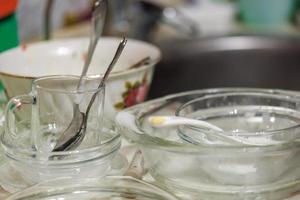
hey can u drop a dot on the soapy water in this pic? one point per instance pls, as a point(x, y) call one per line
point(261, 125)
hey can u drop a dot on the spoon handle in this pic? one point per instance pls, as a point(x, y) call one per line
point(98, 17)
point(110, 67)
point(114, 61)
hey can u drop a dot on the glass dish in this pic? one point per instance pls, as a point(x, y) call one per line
point(246, 119)
point(249, 118)
point(34, 167)
point(216, 170)
point(12, 181)
point(107, 188)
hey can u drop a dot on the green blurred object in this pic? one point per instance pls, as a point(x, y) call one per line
point(8, 33)
point(8, 40)
point(267, 12)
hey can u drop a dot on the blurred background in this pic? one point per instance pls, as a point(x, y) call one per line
point(205, 43)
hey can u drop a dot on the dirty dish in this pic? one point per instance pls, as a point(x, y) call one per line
point(249, 118)
point(126, 86)
point(37, 165)
point(216, 171)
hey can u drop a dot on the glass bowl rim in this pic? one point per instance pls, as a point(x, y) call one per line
point(205, 97)
point(14, 151)
point(44, 186)
point(135, 134)
point(68, 77)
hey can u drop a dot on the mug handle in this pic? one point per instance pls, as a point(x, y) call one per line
point(14, 104)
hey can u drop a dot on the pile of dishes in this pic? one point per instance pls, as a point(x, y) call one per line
point(232, 143)
point(23, 165)
point(41, 79)
point(62, 137)
point(252, 155)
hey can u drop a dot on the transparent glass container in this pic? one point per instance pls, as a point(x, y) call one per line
point(23, 166)
point(219, 170)
point(36, 122)
point(107, 188)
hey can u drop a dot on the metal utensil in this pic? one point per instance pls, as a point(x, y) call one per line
point(166, 121)
point(73, 136)
point(98, 17)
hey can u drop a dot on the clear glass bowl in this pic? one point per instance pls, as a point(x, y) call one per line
point(216, 170)
point(34, 167)
point(107, 188)
point(246, 118)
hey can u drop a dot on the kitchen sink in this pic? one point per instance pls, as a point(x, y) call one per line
point(231, 61)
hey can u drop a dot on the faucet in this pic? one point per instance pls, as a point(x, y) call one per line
point(47, 19)
point(125, 19)
point(142, 16)
point(174, 18)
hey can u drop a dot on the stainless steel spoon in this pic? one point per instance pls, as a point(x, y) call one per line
point(74, 135)
point(98, 18)
point(100, 8)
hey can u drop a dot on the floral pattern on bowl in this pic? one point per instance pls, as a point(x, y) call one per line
point(136, 92)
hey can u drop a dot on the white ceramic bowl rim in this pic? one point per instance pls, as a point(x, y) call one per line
point(13, 56)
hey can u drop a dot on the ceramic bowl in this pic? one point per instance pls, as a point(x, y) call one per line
point(126, 86)
point(213, 170)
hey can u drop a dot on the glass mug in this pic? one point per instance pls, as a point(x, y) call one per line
point(52, 101)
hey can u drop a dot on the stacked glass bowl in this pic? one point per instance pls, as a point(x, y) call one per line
point(108, 188)
point(22, 165)
point(254, 155)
